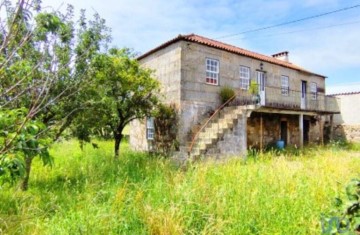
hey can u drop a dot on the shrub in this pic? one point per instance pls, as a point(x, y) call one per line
point(346, 216)
point(254, 87)
point(166, 126)
point(226, 93)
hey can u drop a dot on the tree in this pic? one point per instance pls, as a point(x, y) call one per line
point(44, 72)
point(125, 91)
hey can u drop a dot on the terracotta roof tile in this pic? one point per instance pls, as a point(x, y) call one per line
point(345, 93)
point(227, 47)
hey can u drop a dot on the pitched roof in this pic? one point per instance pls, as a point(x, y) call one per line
point(227, 47)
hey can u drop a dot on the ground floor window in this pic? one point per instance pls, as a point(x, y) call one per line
point(150, 128)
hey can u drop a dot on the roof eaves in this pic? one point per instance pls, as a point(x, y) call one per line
point(227, 47)
point(165, 44)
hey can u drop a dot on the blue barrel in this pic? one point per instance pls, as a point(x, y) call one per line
point(280, 144)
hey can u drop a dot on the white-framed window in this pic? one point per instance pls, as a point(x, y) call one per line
point(212, 71)
point(284, 85)
point(313, 90)
point(150, 128)
point(244, 77)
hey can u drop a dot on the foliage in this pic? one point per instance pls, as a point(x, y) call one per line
point(29, 142)
point(166, 128)
point(346, 216)
point(254, 87)
point(338, 144)
point(226, 93)
point(44, 59)
point(87, 193)
point(122, 92)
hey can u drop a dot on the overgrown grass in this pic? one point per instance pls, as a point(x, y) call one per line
point(88, 193)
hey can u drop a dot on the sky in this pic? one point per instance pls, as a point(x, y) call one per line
point(328, 45)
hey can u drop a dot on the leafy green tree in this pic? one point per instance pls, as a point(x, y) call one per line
point(125, 91)
point(44, 72)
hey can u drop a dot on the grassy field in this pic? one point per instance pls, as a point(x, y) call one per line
point(88, 193)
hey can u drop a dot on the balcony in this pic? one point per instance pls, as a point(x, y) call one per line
point(274, 97)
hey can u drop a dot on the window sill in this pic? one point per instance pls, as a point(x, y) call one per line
point(212, 84)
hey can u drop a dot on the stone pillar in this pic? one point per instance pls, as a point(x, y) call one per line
point(332, 127)
point(321, 131)
point(301, 129)
point(243, 140)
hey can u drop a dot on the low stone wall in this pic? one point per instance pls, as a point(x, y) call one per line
point(349, 132)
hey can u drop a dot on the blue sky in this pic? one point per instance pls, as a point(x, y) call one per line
point(329, 45)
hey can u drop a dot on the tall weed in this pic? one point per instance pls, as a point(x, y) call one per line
point(87, 192)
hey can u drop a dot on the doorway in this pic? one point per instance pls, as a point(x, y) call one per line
point(306, 131)
point(283, 131)
point(261, 82)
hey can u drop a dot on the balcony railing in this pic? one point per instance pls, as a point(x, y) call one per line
point(275, 97)
point(332, 104)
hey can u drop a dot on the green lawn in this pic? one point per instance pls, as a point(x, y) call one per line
point(88, 193)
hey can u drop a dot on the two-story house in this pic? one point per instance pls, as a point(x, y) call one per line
point(287, 105)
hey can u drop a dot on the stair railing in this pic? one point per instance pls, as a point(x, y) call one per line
point(209, 119)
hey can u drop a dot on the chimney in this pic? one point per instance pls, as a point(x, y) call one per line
point(282, 56)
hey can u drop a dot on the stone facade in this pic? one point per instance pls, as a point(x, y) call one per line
point(181, 68)
point(198, 97)
point(349, 132)
point(167, 69)
point(137, 138)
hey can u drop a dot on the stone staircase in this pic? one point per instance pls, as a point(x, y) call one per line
point(215, 129)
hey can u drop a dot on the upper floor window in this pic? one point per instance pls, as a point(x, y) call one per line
point(150, 128)
point(313, 90)
point(285, 85)
point(212, 71)
point(244, 77)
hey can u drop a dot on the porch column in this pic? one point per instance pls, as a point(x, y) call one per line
point(301, 129)
point(321, 125)
point(332, 127)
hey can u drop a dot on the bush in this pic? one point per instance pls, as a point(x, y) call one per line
point(346, 216)
point(226, 93)
point(166, 127)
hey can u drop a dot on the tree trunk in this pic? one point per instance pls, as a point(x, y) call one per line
point(118, 137)
point(63, 127)
point(25, 182)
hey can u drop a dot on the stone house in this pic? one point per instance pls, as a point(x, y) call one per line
point(274, 99)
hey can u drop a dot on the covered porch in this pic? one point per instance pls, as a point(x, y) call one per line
point(266, 126)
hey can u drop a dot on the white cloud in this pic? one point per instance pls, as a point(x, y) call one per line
point(312, 3)
point(143, 25)
point(329, 48)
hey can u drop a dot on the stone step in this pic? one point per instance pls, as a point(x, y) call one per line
point(216, 128)
point(220, 115)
